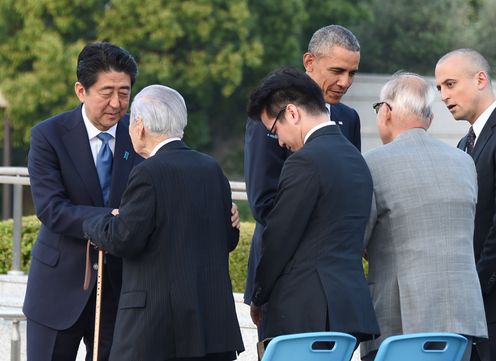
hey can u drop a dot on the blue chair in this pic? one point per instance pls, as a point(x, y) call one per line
point(436, 346)
point(312, 346)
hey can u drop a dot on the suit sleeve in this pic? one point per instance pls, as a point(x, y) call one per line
point(233, 233)
point(128, 233)
point(286, 224)
point(53, 205)
point(369, 230)
point(357, 138)
point(263, 162)
point(486, 265)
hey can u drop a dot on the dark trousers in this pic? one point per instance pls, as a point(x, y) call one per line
point(47, 344)
point(485, 350)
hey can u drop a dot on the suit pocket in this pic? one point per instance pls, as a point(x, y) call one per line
point(135, 299)
point(45, 254)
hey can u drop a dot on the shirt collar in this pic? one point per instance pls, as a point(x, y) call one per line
point(482, 120)
point(94, 131)
point(161, 144)
point(317, 127)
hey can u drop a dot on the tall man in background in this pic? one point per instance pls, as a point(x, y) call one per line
point(65, 154)
point(422, 274)
point(463, 79)
point(331, 61)
point(310, 275)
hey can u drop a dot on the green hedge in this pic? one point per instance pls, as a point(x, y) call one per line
point(30, 226)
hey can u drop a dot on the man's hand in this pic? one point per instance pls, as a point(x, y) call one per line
point(115, 212)
point(235, 216)
point(256, 314)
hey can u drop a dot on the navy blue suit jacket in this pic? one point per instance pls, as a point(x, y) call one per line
point(66, 191)
point(263, 161)
point(484, 155)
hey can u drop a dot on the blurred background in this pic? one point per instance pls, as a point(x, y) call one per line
point(215, 51)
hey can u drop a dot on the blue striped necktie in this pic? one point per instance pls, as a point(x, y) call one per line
point(104, 165)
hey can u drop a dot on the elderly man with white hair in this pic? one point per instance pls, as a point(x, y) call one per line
point(422, 274)
point(174, 234)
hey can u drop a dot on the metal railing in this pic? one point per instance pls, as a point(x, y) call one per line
point(238, 190)
point(18, 177)
point(16, 316)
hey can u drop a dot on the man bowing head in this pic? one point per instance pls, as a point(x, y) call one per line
point(310, 275)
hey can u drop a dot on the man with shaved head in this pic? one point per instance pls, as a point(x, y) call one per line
point(463, 79)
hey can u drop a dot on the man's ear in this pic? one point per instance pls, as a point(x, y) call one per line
point(140, 127)
point(80, 91)
point(308, 60)
point(293, 115)
point(429, 121)
point(482, 79)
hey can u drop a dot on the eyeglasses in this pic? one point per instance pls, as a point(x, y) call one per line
point(271, 131)
point(377, 106)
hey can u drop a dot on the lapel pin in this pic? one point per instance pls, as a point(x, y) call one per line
point(126, 155)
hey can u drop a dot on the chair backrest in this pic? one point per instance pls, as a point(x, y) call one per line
point(312, 346)
point(436, 346)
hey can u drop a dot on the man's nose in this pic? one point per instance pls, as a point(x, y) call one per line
point(114, 100)
point(345, 80)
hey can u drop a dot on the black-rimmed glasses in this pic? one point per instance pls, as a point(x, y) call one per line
point(271, 131)
point(377, 106)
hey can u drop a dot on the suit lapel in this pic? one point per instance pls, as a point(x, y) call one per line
point(462, 143)
point(78, 148)
point(335, 114)
point(124, 159)
point(484, 136)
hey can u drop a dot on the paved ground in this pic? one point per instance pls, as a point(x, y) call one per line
point(247, 330)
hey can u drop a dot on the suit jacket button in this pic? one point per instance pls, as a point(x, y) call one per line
point(95, 266)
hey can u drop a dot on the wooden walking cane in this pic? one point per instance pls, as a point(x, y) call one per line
point(99, 288)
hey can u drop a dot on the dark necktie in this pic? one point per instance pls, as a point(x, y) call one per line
point(104, 165)
point(470, 141)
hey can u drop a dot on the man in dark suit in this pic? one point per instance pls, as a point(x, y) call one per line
point(310, 275)
point(463, 78)
point(331, 61)
point(66, 190)
point(174, 233)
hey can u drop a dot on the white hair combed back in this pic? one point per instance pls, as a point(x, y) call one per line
point(411, 93)
point(162, 110)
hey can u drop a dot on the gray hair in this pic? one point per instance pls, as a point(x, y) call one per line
point(332, 35)
point(410, 93)
point(475, 60)
point(162, 110)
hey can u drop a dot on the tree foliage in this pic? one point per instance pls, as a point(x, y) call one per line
point(483, 31)
point(412, 34)
point(39, 43)
point(215, 51)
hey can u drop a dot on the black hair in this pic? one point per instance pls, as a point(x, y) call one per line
point(283, 86)
point(103, 56)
